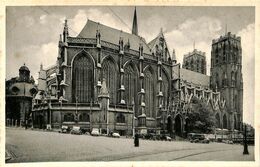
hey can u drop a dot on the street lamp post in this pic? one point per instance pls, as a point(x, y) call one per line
point(245, 142)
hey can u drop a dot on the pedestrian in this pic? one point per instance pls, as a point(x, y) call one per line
point(136, 140)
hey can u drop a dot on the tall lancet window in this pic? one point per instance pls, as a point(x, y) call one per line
point(82, 79)
point(130, 81)
point(165, 88)
point(149, 93)
point(110, 74)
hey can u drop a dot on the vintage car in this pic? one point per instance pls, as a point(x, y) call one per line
point(116, 135)
point(95, 132)
point(76, 130)
point(64, 129)
point(197, 138)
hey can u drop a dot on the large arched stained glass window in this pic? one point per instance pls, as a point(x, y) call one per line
point(83, 79)
point(149, 93)
point(109, 73)
point(130, 83)
point(165, 88)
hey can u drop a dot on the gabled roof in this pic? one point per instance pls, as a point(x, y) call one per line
point(112, 35)
point(194, 77)
point(156, 41)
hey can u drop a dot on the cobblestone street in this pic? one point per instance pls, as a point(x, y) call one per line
point(39, 146)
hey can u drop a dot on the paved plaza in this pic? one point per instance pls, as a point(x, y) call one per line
point(41, 146)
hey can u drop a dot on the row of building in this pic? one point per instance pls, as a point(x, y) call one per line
point(116, 81)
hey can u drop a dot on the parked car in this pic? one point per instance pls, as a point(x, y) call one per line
point(166, 137)
point(116, 135)
point(76, 130)
point(197, 138)
point(87, 133)
point(95, 132)
point(64, 129)
point(150, 136)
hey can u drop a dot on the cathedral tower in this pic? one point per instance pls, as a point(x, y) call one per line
point(226, 77)
point(195, 61)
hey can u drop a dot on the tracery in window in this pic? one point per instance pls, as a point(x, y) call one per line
point(83, 78)
point(109, 73)
point(149, 93)
point(130, 83)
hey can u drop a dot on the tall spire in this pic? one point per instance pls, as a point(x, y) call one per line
point(135, 26)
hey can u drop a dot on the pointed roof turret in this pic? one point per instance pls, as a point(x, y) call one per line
point(65, 31)
point(135, 26)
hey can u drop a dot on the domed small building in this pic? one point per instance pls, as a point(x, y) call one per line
point(19, 94)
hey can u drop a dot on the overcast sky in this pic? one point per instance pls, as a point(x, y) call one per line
point(32, 33)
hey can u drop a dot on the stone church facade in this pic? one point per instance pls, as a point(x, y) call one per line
point(116, 81)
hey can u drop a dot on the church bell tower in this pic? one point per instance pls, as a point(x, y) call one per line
point(226, 76)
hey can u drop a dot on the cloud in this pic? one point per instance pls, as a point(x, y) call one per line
point(32, 56)
point(28, 21)
point(201, 31)
point(248, 68)
point(155, 23)
point(80, 19)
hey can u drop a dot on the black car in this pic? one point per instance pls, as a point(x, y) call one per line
point(197, 138)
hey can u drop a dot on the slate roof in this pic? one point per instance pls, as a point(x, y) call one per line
point(194, 77)
point(112, 35)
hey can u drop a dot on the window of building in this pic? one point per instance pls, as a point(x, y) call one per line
point(84, 117)
point(15, 90)
point(120, 118)
point(110, 74)
point(165, 89)
point(68, 117)
point(130, 83)
point(149, 92)
point(83, 78)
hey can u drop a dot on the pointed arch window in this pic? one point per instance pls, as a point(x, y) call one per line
point(69, 117)
point(165, 88)
point(82, 78)
point(198, 65)
point(191, 64)
point(110, 74)
point(120, 118)
point(149, 93)
point(84, 117)
point(130, 83)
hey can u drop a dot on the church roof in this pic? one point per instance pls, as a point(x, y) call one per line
point(112, 35)
point(194, 77)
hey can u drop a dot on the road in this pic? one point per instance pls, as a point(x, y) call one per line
point(42, 146)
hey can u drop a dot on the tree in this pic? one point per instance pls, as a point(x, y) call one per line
point(201, 117)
